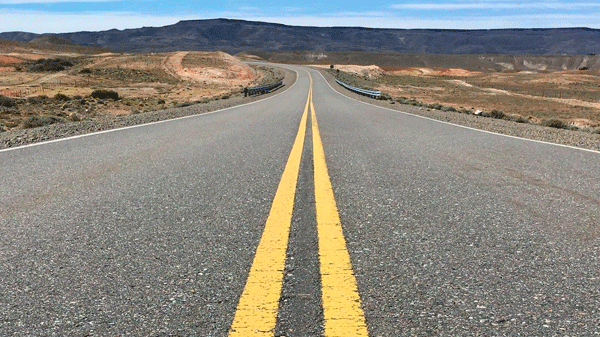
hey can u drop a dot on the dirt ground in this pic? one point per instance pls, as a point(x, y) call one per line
point(572, 96)
point(144, 83)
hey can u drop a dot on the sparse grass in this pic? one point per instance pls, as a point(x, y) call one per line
point(210, 59)
point(519, 119)
point(555, 123)
point(495, 113)
point(508, 96)
point(267, 75)
point(353, 79)
point(87, 84)
point(527, 94)
point(134, 75)
point(37, 121)
point(183, 104)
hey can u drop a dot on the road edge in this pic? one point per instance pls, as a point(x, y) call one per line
point(455, 124)
point(60, 138)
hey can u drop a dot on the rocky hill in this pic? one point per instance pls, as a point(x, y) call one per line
point(235, 35)
point(472, 62)
point(50, 45)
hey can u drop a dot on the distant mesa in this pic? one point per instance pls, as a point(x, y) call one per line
point(234, 36)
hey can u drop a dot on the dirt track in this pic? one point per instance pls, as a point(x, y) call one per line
point(145, 82)
point(234, 72)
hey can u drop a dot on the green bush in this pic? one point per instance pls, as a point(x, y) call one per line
point(7, 102)
point(105, 94)
point(497, 114)
point(61, 97)
point(37, 121)
point(385, 97)
point(183, 105)
point(521, 119)
point(572, 128)
point(50, 65)
point(555, 123)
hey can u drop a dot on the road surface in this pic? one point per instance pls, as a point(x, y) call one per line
point(304, 214)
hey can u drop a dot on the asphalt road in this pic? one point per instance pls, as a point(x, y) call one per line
point(152, 230)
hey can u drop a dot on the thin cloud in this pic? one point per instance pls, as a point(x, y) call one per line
point(22, 2)
point(44, 22)
point(494, 6)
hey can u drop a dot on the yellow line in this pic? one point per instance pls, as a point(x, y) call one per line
point(342, 311)
point(256, 313)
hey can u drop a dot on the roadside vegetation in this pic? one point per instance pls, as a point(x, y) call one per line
point(41, 88)
point(565, 100)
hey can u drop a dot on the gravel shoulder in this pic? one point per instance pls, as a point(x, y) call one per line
point(21, 137)
point(579, 139)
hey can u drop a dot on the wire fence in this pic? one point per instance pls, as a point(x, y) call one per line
point(22, 92)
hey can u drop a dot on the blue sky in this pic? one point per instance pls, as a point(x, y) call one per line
point(58, 16)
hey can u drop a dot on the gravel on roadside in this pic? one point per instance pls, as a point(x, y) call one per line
point(580, 139)
point(21, 137)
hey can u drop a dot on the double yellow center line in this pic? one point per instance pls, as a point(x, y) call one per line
point(256, 313)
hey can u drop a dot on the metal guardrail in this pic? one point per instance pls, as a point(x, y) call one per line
point(365, 92)
point(262, 89)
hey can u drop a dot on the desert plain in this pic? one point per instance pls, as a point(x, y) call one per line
point(50, 80)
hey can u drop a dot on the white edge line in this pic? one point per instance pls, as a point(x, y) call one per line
point(458, 125)
point(147, 124)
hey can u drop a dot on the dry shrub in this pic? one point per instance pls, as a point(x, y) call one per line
point(105, 94)
point(555, 123)
point(37, 121)
point(7, 102)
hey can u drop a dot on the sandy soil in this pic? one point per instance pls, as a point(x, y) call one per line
point(571, 96)
point(145, 82)
point(105, 121)
point(231, 72)
point(10, 59)
point(525, 130)
point(579, 122)
point(370, 72)
point(435, 72)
